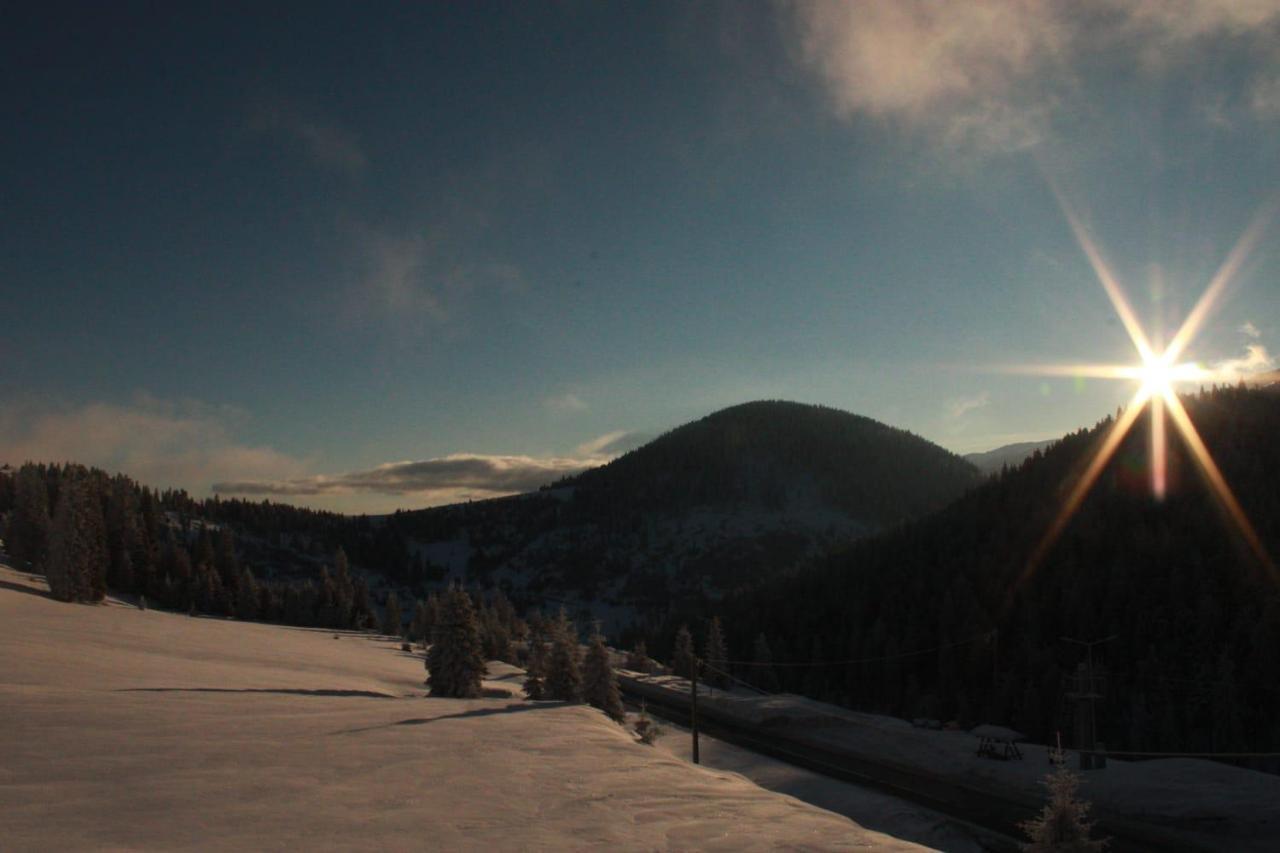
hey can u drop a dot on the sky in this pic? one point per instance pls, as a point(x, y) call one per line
point(375, 256)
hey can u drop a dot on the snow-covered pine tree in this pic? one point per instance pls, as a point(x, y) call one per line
point(683, 660)
point(564, 672)
point(638, 658)
point(1062, 825)
point(600, 684)
point(247, 596)
point(455, 664)
point(716, 656)
point(762, 673)
point(535, 679)
point(418, 624)
point(391, 621)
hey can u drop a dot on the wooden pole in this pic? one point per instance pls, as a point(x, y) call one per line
point(693, 710)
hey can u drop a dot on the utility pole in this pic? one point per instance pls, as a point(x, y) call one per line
point(1085, 690)
point(693, 709)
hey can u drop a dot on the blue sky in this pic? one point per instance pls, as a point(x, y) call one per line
point(288, 250)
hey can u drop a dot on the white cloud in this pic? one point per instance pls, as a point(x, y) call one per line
point(445, 479)
point(1250, 330)
point(989, 74)
point(1255, 361)
point(472, 474)
point(961, 406)
point(184, 444)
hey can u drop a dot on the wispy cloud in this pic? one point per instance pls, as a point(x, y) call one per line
point(1255, 361)
point(185, 444)
point(326, 144)
point(989, 75)
point(419, 275)
point(613, 443)
point(1250, 330)
point(961, 406)
point(565, 403)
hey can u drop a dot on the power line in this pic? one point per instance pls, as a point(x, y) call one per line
point(975, 638)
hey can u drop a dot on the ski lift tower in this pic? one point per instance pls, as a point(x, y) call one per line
point(1085, 688)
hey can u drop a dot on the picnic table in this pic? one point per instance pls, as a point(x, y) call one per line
point(998, 742)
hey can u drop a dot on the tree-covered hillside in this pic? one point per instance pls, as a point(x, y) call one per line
point(1196, 616)
point(739, 495)
point(779, 456)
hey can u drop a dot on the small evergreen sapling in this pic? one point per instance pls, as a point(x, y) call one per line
point(1063, 824)
point(647, 729)
point(638, 659)
point(600, 684)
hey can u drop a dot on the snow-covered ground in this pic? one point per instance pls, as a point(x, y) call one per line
point(869, 808)
point(1192, 803)
point(128, 729)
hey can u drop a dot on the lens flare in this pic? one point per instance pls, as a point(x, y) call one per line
point(1157, 374)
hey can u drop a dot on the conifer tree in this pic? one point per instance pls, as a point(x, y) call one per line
point(418, 628)
point(225, 560)
point(564, 672)
point(361, 611)
point(638, 659)
point(30, 524)
point(391, 621)
point(683, 660)
point(247, 596)
point(455, 664)
point(535, 680)
point(766, 679)
point(647, 729)
point(76, 567)
point(716, 656)
point(600, 683)
point(1062, 825)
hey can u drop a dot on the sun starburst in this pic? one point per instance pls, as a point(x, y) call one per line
point(1157, 373)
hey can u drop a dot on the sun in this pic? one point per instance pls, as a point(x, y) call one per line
point(1157, 373)
point(1156, 376)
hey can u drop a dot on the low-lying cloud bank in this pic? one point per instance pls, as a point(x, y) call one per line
point(447, 479)
point(193, 445)
point(477, 474)
point(184, 444)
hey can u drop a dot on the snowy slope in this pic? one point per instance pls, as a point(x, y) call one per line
point(126, 729)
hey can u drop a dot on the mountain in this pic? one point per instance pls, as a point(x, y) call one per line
point(948, 617)
point(1012, 455)
point(740, 494)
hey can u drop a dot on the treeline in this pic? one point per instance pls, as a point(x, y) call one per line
point(945, 618)
point(88, 532)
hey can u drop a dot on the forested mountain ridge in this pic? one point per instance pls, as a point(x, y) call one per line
point(709, 506)
point(723, 501)
point(780, 455)
point(1195, 615)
